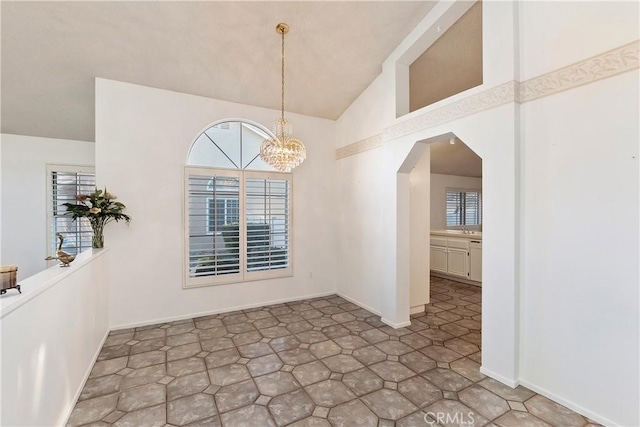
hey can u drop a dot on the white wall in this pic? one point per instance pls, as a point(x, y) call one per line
point(1, 194)
point(580, 302)
point(419, 179)
point(142, 139)
point(24, 195)
point(558, 33)
point(51, 335)
point(373, 266)
point(363, 228)
point(439, 185)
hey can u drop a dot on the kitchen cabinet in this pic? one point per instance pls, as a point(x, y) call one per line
point(457, 264)
point(439, 259)
point(457, 256)
point(475, 260)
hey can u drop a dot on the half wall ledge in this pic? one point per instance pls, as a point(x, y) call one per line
point(39, 283)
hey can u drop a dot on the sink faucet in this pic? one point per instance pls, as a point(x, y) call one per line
point(465, 230)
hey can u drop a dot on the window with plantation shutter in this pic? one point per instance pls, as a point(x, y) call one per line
point(463, 207)
point(237, 217)
point(64, 184)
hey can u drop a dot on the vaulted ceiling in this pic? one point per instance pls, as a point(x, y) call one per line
point(52, 51)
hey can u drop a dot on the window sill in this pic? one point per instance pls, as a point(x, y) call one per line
point(253, 277)
point(35, 285)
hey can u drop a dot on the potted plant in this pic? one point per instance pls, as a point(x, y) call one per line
point(100, 208)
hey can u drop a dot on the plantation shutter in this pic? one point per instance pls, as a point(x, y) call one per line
point(66, 182)
point(267, 221)
point(463, 207)
point(213, 228)
point(473, 208)
point(238, 226)
point(454, 208)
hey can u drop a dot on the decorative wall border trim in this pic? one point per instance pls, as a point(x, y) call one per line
point(598, 67)
point(491, 98)
point(607, 64)
point(494, 97)
point(360, 146)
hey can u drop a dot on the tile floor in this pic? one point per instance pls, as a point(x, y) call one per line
point(322, 362)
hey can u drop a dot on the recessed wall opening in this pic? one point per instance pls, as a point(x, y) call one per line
point(452, 64)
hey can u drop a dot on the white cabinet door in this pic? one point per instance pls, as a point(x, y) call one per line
point(438, 259)
point(458, 263)
point(475, 262)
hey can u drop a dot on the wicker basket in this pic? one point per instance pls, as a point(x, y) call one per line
point(9, 274)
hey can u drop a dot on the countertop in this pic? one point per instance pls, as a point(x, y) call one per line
point(474, 235)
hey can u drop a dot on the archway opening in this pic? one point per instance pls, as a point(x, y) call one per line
point(440, 207)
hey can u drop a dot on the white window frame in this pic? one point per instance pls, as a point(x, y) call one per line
point(50, 168)
point(243, 275)
point(461, 190)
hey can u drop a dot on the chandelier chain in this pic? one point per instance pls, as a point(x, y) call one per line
point(283, 152)
point(282, 100)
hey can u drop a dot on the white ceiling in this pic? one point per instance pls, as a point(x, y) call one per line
point(51, 52)
point(455, 159)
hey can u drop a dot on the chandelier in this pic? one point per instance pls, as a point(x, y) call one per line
point(283, 152)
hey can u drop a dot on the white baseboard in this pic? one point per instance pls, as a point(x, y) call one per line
point(513, 383)
point(76, 396)
point(569, 404)
point(358, 303)
point(376, 312)
point(396, 325)
point(220, 310)
point(455, 278)
point(543, 392)
point(417, 309)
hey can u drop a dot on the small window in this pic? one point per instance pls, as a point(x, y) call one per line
point(65, 183)
point(221, 212)
point(237, 210)
point(464, 207)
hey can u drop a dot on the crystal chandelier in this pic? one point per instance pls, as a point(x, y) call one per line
point(283, 152)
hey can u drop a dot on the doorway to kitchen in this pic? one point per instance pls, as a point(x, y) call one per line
point(445, 247)
point(455, 251)
point(501, 245)
point(445, 212)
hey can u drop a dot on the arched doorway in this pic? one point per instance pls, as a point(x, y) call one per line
point(500, 250)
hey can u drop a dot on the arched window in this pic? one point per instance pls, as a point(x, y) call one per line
point(237, 208)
